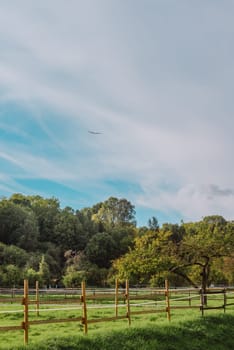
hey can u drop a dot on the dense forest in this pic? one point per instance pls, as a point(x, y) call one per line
point(57, 246)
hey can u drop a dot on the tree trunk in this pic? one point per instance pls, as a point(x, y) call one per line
point(205, 276)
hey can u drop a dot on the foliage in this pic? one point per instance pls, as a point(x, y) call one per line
point(145, 260)
point(153, 224)
point(114, 212)
point(36, 235)
point(18, 225)
point(44, 271)
point(32, 276)
point(69, 231)
point(73, 278)
point(79, 267)
point(189, 251)
point(11, 276)
point(100, 249)
point(11, 254)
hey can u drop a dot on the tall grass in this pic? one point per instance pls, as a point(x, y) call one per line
point(187, 329)
point(211, 332)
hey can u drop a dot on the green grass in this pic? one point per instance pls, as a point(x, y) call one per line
point(187, 330)
point(212, 332)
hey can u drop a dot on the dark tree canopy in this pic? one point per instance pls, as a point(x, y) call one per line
point(39, 240)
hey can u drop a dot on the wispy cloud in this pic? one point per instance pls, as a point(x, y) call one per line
point(154, 78)
point(192, 201)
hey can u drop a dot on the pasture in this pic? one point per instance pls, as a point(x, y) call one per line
point(59, 318)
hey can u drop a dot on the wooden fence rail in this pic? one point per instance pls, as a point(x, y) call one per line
point(155, 301)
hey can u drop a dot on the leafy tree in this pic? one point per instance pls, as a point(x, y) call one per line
point(20, 199)
point(18, 225)
point(55, 260)
point(12, 276)
point(189, 251)
point(44, 272)
point(73, 278)
point(32, 276)
point(33, 261)
point(114, 212)
point(176, 232)
point(46, 211)
point(28, 232)
point(68, 231)
point(10, 254)
point(123, 237)
point(89, 226)
point(144, 261)
point(96, 276)
point(101, 249)
point(153, 224)
point(79, 268)
point(203, 243)
point(2, 279)
point(35, 232)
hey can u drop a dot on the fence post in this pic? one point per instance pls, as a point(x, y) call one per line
point(202, 301)
point(25, 324)
point(83, 299)
point(189, 298)
point(37, 298)
point(12, 294)
point(224, 300)
point(167, 300)
point(116, 297)
point(127, 301)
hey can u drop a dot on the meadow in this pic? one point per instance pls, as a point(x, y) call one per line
point(188, 329)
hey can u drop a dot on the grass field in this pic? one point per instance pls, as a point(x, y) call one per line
point(187, 329)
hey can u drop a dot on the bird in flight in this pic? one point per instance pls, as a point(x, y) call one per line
point(94, 132)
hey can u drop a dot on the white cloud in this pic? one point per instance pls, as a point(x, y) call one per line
point(33, 166)
point(193, 201)
point(155, 80)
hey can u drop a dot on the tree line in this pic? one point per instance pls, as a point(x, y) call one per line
point(39, 240)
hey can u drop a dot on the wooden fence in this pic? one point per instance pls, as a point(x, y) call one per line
point(135, 302)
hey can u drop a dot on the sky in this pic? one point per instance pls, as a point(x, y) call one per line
point(154, 77)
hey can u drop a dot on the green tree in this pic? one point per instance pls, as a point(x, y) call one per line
point(68, 230)
point(46, 211)
point(12, 276)
point(123, 237)
point(79, 268)
point(145, 260)
point(88, 225)
point(55, 259)
point(32, 276)
point(101, 249)
point(114, 212)
point(153, 224)
point(73, 278)
point(18, 225)
point(44, 271)
point(20, 199)
point(12, 255)
point(227, 267)
point(189, 251)
point(204, 243)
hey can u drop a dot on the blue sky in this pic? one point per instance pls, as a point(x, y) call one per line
point(154, 77)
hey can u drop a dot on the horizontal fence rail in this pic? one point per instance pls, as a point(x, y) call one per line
point(82, 300)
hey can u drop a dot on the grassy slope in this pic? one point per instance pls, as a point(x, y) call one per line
point(210, 332)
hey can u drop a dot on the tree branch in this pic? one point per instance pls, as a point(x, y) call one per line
point(182, 274)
